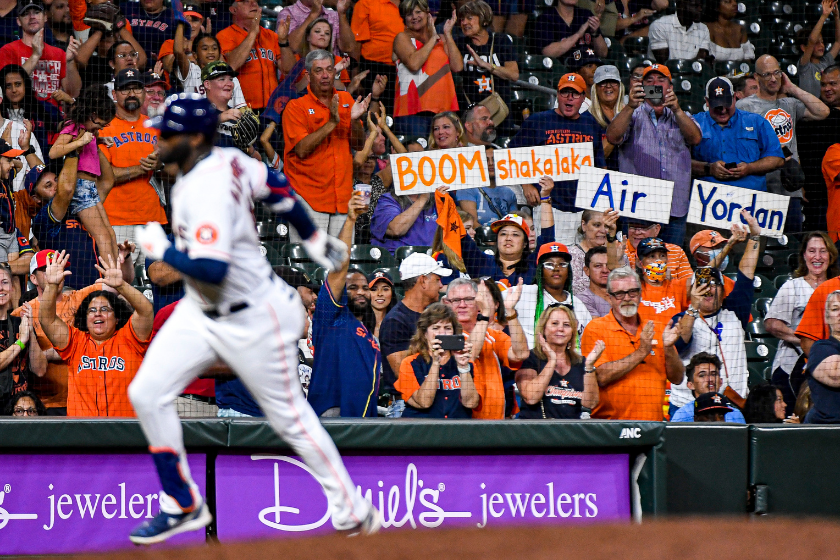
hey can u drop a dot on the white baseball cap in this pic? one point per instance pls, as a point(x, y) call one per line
point(420, 264)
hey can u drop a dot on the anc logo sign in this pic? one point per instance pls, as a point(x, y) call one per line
point(782, 124)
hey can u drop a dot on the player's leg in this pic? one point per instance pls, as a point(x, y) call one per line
point(178, 354)
point(264, 356)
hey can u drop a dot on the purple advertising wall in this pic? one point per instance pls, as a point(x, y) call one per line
point(277, 496)
point(55, 504)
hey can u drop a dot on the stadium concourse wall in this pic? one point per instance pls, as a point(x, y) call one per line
point(663, 469)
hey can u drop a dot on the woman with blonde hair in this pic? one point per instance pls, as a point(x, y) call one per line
point(437, 383)
point(555, 381)
point(447, 132)
point(607, 98)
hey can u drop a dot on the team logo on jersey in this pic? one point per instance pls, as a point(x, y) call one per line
point(782, 124)
point(206, 234)
point(311, 111)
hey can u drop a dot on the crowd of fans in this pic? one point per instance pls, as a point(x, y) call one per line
point(487, 303)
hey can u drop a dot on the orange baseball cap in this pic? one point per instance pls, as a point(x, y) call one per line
point(706, 238)
point(661, 68)
point(572, 80)
point(553, 248)
point(511, 220)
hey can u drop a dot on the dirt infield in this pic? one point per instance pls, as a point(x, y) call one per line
point(683, 539)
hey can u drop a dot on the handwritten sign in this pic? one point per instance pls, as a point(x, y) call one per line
point(456, 168)
point(561, 162)
point(631, 195)
point(716, 205)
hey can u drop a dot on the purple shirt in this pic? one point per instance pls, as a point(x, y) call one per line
point(422, 232)
point(596, 305)
point(656, 148)
point(298, 13)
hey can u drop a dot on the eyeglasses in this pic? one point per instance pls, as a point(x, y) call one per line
point(104, 310)
point(635, 292)
point(20, 411)
point(127, 90)
point(155, 93)
point(458, 301)
point(640, 227)
point(555, 266)
point(134, 54)
point(774, 73)
point(571, 94)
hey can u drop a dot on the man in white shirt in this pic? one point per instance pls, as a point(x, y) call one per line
point(680, 35)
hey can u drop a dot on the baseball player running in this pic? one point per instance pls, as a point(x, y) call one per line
point(237, 310)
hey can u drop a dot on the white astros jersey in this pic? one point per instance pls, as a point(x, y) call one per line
point(212, 218)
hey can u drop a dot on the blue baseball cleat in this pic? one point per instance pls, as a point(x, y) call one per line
point(165, 525)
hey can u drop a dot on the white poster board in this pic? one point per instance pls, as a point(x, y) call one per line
point(561, 162)
point(456, 168)
point(716, 205)
point(631, 195)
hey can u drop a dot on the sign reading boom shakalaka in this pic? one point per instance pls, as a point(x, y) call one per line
point(561, 162)
point(456, 168)
point(717, 205)
point(631, 195)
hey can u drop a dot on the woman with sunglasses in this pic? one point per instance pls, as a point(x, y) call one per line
point(554, 382)
point(106, 343)
point(552, 288)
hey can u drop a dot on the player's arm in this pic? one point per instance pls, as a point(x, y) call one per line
point(56, 330)
point(144, 312)
point(338, 278)
point(155, 245)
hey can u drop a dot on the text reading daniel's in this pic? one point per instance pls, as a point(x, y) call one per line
point(262, 495)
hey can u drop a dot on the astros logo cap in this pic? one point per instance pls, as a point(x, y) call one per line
point(574, 81)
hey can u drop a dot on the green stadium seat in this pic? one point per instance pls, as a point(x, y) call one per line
point(629, 62)
point(636, 46)
point(757, 331)
point(402, 252)
point(503, 141)
point(732, 67)
point(759, 352)
point(681, 66)
point(537, 63)
point(319, 275)
point(793, 261)
point(487, 249)
point(763, 286)
point(614, 51)
point(762, 306)
point(272, 230)
point(539, 78)
point(783, 48)
point(485, 236)
point(271, 252)
point(692, 107)
point(784, 28)
point(295, 252)
point(370, 254)
point(747, 7)
point(756, 375)
point(779, 281)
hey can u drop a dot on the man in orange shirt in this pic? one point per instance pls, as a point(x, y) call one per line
point(318, 129)
point(133, 200)
point(831, 174)
point(639, 356)
point(678, 265)
point(491, 348)
point(253, 51)
point(662, 297)
point(375, 25)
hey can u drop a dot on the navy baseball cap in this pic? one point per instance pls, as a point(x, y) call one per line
point(719, 92)
point(650, 244)
point(582, 56)
point(29, 5)
point(126, 77)
point(710, 401)
point(32, 177)
point(151, 78)
point(380, 276)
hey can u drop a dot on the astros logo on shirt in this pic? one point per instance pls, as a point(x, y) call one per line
point(782, 124)
point(206, 234)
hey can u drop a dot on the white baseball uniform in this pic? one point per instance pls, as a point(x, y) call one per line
point(212, 218)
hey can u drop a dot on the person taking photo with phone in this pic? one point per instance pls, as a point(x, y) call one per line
point(434, 382)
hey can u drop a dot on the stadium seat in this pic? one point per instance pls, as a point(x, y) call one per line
point(757, 331)
point(763, 286)
point(731, 67)
point(779, 281)
point(485, 236)
point(295, 252)
point(402, 252)
point(271, 230)
point(756, 376)
point(275, 257)
point(536, 63)
point(636, 46)
point(319, 275)
point(788, 64)
point(762, 306)
point(692, 107)
point(783, 48)
point(784, 28)
point(539, 78)
point(369, 254)
point(681, 66)
point(628, 63)
point(793, 261)
point(487, 249)
point(781, 9)
point(759, 352)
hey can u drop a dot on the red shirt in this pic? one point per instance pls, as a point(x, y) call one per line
point(47, 76)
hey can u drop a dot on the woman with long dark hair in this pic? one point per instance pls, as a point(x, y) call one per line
point(765, 405)
point(383, 298)
point(729, 39)
point(19, 103)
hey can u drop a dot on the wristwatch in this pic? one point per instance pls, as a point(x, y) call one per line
point(482, 318)
point(610, 238)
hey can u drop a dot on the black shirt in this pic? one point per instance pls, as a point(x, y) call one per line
point(826, 409)
point(395, 333)
point(477, 82)
point(14, 378)
point(551, 28)
point(563, 396)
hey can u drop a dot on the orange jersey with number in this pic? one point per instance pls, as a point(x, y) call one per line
point(136, 201)
point(99, 374)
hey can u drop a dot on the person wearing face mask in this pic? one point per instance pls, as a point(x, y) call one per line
point(702, 376)
point(133, 200)
point(732, 137)
point(553, 287)
point(662, 296)
point(715, 323)
point(639, 357)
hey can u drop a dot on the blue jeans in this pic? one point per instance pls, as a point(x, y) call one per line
point(674, 231)
point(414, 126)
point(85, 196)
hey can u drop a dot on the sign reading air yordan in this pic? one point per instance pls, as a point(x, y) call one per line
point(456, 168)
point(264, 496)
point(717, 205)
point(62, 504)
point(631, 195)
point(561, 162)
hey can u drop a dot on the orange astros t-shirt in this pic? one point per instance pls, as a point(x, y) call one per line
point(134, 202)
point(662, 302)
point(487, 375)
point(639, 394)
point(258, 76)
point(99, 374)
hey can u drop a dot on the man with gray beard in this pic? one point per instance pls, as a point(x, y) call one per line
point(130, 148)
point(639, 357)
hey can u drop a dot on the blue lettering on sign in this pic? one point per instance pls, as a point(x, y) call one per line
point(721, 210)
point(605, 189)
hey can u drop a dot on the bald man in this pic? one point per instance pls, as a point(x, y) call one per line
point(783, 113)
